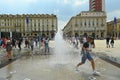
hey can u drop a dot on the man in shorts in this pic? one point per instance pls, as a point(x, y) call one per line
point(86, 54)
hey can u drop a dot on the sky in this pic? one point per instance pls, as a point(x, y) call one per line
point(64, 9)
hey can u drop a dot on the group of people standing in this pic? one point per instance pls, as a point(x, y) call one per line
point(75, 41)
point(44, 43)
point(9, 43)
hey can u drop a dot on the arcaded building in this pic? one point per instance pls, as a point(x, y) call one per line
point(92, 22)
point(113, 28)
point(87, 23)
point(26, 25)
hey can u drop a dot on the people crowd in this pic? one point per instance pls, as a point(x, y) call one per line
point(84, 43)
point(29, 42)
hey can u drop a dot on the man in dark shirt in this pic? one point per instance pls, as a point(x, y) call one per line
point(86, 54)
point(107, 41)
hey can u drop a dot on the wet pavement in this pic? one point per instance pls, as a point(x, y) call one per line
point(111, 54)
point(56, 66)
point(43, 67)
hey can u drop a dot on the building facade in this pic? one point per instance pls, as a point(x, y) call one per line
point(97, 5)
point(28, 25)
point(113, 29)
point(87, 23)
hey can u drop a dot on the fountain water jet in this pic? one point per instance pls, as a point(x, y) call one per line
point(61, 50)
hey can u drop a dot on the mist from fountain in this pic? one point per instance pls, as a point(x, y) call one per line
point(62, 50)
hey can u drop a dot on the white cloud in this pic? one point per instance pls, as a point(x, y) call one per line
point(79, 2)
point(73, 2)
point(63, 1)
point(18, 1)
point(111, 15)
point(17, 4)
point(56, 11)
point(66, 1)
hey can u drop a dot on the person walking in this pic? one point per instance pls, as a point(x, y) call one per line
point(9, 49)
point(1, 42)
point(4, 42)
point(93, 43)
point(81, 41)
point(112, 42)
point(84, 39)
point(108, 42)
point(86, 54)
point(73, 40)
point(46, 45)
point(13, 42)
point(19, 43)
point(36, 41)
point(32, 44)
point(76, 42)
point(26, 43)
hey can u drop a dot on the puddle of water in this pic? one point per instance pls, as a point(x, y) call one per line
point(12, 72)
point(102, 69)
point(2, 78)
point(91, 78)
point(27, 79)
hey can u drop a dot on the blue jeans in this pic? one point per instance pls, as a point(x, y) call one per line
point(46, 47)
point(86, 56)
point(32, 47)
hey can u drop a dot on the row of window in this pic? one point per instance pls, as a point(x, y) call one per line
point(88, 22)
point(28, 29)
point(89, 25)
point(30, 21)
point(31, 24)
